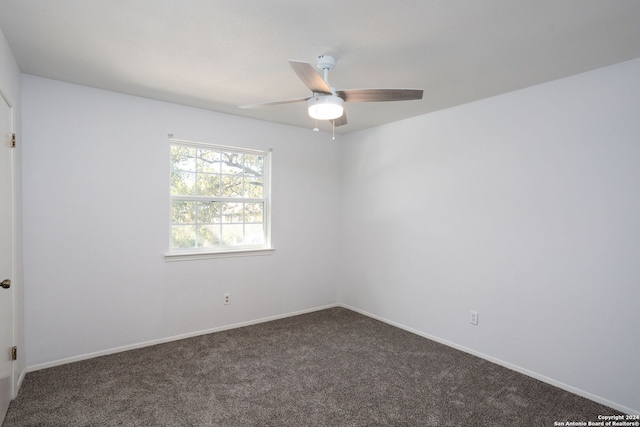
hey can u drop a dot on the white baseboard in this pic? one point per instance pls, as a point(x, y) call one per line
point(508, 365)
point(169, 339)
point(19, 383)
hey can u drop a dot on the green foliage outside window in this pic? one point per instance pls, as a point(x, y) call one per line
point(218, 198)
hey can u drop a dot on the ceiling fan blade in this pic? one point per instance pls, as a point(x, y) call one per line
point(378, 95)
point(341, 121)
point(309, 77)
point(270, 103)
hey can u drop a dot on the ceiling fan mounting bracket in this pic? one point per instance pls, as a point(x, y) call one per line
point(326, 62)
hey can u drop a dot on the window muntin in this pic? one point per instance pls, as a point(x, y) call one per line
point(219, 198)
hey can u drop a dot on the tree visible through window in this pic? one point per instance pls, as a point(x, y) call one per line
point(219, 197)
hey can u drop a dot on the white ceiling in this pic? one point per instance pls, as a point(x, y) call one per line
point(218, 54)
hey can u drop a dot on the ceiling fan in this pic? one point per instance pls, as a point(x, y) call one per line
point(327, 103)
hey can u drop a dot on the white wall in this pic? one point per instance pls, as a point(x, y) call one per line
point(96, 223)
point(524, 207)
point(10, 85)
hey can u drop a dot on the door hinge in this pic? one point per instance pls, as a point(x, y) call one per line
point(13, 140)
point(14, 353)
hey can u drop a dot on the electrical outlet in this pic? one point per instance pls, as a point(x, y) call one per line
point(227, 299)
point(473, 319)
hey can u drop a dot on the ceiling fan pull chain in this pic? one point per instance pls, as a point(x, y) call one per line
point(333, 123)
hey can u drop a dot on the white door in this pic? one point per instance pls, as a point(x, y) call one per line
point(6, 255)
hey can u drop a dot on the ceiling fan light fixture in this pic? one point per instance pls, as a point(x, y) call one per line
point(325, 107)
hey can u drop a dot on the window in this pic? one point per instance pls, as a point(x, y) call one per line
point(219, 199)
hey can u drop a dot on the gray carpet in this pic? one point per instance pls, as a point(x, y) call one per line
point(328, 368)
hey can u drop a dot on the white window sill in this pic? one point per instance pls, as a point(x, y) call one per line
point(189, 256)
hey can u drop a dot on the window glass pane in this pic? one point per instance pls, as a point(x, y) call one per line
point(254, 234)
point(218, 197)
point(183, 212)
point(253, 212)
point(209, 236)
point(231, 186)
point(253, 188)
point(208, 161)
point(208, 185)
point(183, 158)
point(232, 234)
point(253, 165)
point(183, 183)
point(232, 212)
point(183, 236)
point(232, 163)
point(209, 212)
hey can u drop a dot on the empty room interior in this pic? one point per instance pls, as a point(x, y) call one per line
point(467, 213)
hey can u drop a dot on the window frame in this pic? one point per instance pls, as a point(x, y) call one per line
point(177, 254)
